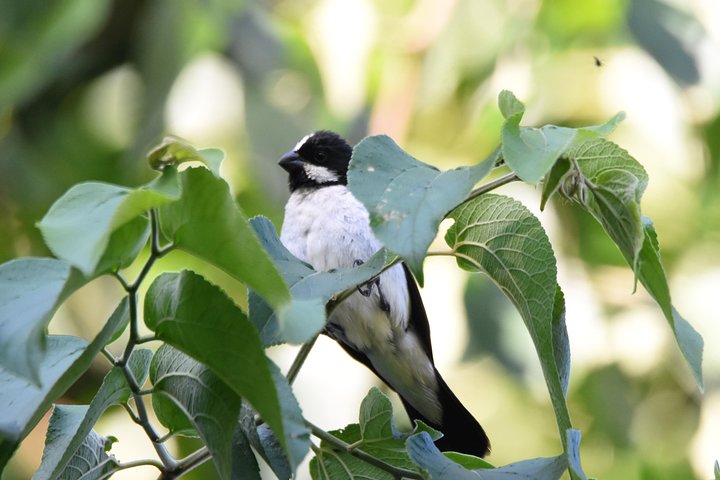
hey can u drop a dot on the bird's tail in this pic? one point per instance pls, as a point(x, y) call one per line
point(461, 432)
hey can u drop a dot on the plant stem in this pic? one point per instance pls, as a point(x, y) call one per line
point(300, 359)
point(347, 448)
point(492, 185)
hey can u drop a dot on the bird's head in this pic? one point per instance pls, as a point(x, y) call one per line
point(319, 159)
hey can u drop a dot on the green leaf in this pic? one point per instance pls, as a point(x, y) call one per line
point(426, 455)
point(199, 319)
point(264, 441)
point(573, 454)
point(207, 223)
point(375, 435)
point(552, 181)
point(468, 461)
point(407, 199)
point(499, 236)
point(124, 246)
point(173, 151)
point(89, 461)
point(31, 289)
point(306, 285)
point(717, 470)
point(561, 342)
point(65, 359)
point(531, 152)
point(78, 226)
point(607, 182)
point(244, 464)
point(210, 405)
point(64, 440)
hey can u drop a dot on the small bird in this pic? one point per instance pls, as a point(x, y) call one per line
point(383, 325)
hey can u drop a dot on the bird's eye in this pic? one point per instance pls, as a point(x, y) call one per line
point(320, 156)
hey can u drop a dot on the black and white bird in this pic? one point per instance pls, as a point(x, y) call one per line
point(383, 325)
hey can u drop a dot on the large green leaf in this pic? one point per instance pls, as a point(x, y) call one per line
point(211, 406)
point(198, 318)
point(425, 454)
point(607, 182)
point(374, 435)
point(78, 226)
point(89, 460)
point(65, 359)
point(407, 199)
point(499, 236)
point(31, 289)
point(208, 223)
point(305, 284)
point(531, 152)
point(264, 441)
point(65, 438)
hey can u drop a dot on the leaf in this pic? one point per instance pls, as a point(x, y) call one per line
point(531, 152)
point(64, 439)
point(207, 223)
point(264, 441)
point(573, 454)
point(306, 285)
point(124, 246)
point(717, 470)
point(244, 463)
point(210, 405)
point(90, 460)
point(173, 151)
point(608, 183)
point(65, 359)
point(374, 435)
point(199, 319)
point(31, 289)
point(78, 226)
point(426, 455)
point(407, 199)
point(561, 342)
point(499, 236)
point(551, 182)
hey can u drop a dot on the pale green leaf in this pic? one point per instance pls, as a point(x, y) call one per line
point(173, 151)
point(310, 289)
point(78, 226)
point(407, 199)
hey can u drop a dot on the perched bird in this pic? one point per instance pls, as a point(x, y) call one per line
point(383, 325)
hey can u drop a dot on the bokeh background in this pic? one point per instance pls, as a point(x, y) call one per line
point(88, 86)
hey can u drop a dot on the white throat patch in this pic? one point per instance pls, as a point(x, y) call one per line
point(320, 174)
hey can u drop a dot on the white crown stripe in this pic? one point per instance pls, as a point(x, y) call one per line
point(302, 141)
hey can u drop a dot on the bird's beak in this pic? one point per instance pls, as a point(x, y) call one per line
point(291, 161)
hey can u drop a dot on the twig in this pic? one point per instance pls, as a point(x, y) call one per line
point(492, 185)
point(299, 360)
point(347, 448)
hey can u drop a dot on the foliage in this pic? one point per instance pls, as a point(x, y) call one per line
point(211, 377)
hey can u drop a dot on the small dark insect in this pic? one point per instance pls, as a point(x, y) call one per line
point(598, 62)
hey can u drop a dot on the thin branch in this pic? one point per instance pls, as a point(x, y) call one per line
point(194, 459)
point(492, 185)
point(299, 360)
point(347, 448)
point(109, 356)
point(140, 463)
point(146, 339)
point(440, 253)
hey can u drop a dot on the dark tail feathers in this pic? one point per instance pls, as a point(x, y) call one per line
point(461, 432)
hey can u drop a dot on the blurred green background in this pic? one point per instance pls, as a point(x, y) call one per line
point(88, 86)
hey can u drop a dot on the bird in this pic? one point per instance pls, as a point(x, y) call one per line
point(382, 325)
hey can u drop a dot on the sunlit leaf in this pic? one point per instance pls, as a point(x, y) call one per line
point(64, 439)
point(65, 359)
point(173, 151)
point(407, 199)
point(531, 152)
point(78, 226)
point(306, 285)
point(31, 289)
point(497, 235)
point(211, 406)
point(198, 318)
point(208, 223)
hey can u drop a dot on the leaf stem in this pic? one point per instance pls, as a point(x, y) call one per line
point(398, 472)
point(300, 359)
point(492, 185)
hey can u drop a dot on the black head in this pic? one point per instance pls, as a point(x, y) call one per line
point(320, 159)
